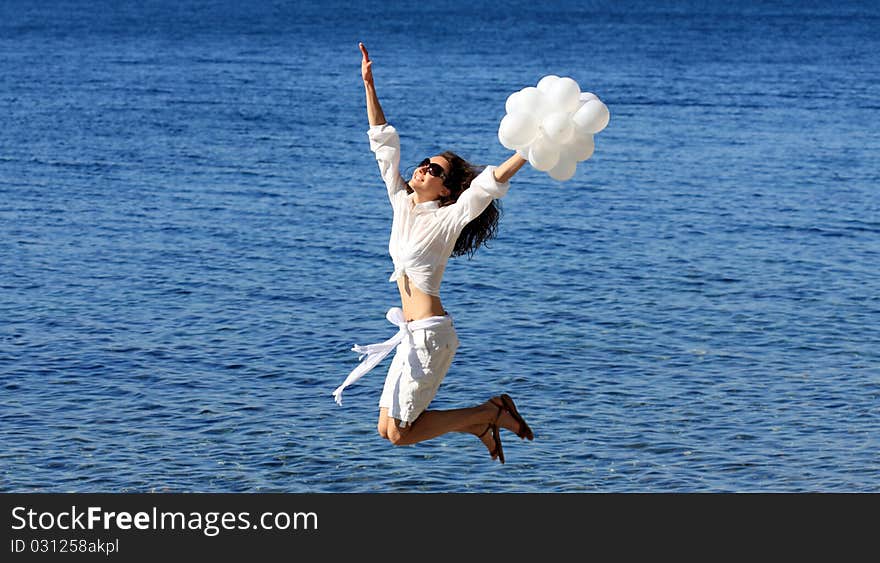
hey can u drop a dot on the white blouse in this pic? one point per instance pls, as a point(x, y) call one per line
point(423, 235)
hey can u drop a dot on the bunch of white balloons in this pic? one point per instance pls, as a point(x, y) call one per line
point(552, 125)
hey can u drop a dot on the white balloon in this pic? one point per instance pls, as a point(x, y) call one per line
point(558, 127)
point(587, 96)
point(552, 125)
point(580, 147)
point(516, 102)
point(510, 104)
point(563, 170)
point(543, 155)
point(545, 83)
point(592, 117)
point(533, 102)
point(517, 130)
point(505, 141)
point(563, 95)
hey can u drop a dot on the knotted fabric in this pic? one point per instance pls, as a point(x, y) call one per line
point(372, 354)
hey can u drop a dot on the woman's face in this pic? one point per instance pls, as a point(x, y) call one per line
point(427, 179)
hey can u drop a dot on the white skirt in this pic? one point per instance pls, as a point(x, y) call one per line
point(406, 395)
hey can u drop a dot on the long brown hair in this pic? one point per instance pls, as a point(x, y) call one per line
point(485, 226)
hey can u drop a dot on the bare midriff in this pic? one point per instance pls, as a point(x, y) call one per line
point(417, 304)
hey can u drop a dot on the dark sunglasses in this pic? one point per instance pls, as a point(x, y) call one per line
point(434, 169)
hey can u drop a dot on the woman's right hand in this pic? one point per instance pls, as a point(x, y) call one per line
point(366, 65)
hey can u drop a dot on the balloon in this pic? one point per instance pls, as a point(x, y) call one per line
point(581, 147)
point(558, 127)
point(505, 141)
point(543, 155)
point(592, 117)
point(587, 96)
point(563, 170)
point(563, 95)
point(517, 130)
point(545, 83)
point(552, 125)
point(510, 104)
point(530, 101)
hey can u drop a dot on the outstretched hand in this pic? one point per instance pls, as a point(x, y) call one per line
point(366, 65)
point(374, 110)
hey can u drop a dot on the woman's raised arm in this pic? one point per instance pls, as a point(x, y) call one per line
point(374, 110)
point(508, 168)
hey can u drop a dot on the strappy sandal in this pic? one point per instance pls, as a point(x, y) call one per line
point(493, 426)
point(524, 430)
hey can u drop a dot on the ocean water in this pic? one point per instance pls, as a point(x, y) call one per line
point(193, 233)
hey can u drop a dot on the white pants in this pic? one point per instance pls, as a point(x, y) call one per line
point(408, 391)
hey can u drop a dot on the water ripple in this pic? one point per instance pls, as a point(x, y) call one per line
point(193, 235)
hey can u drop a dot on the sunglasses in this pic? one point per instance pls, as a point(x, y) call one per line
point(434, 169)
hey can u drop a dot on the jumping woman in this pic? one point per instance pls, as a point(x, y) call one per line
point(447, 208)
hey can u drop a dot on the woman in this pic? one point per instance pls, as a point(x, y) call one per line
point(445, 209)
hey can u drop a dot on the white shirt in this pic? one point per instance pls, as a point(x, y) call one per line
point(423, 235)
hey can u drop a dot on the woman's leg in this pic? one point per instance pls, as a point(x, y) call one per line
point(433, 423)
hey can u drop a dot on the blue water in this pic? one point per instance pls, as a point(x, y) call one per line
point(193, 234)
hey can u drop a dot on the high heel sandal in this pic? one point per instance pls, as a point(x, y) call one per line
point(496, 436)
point(524, 430)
